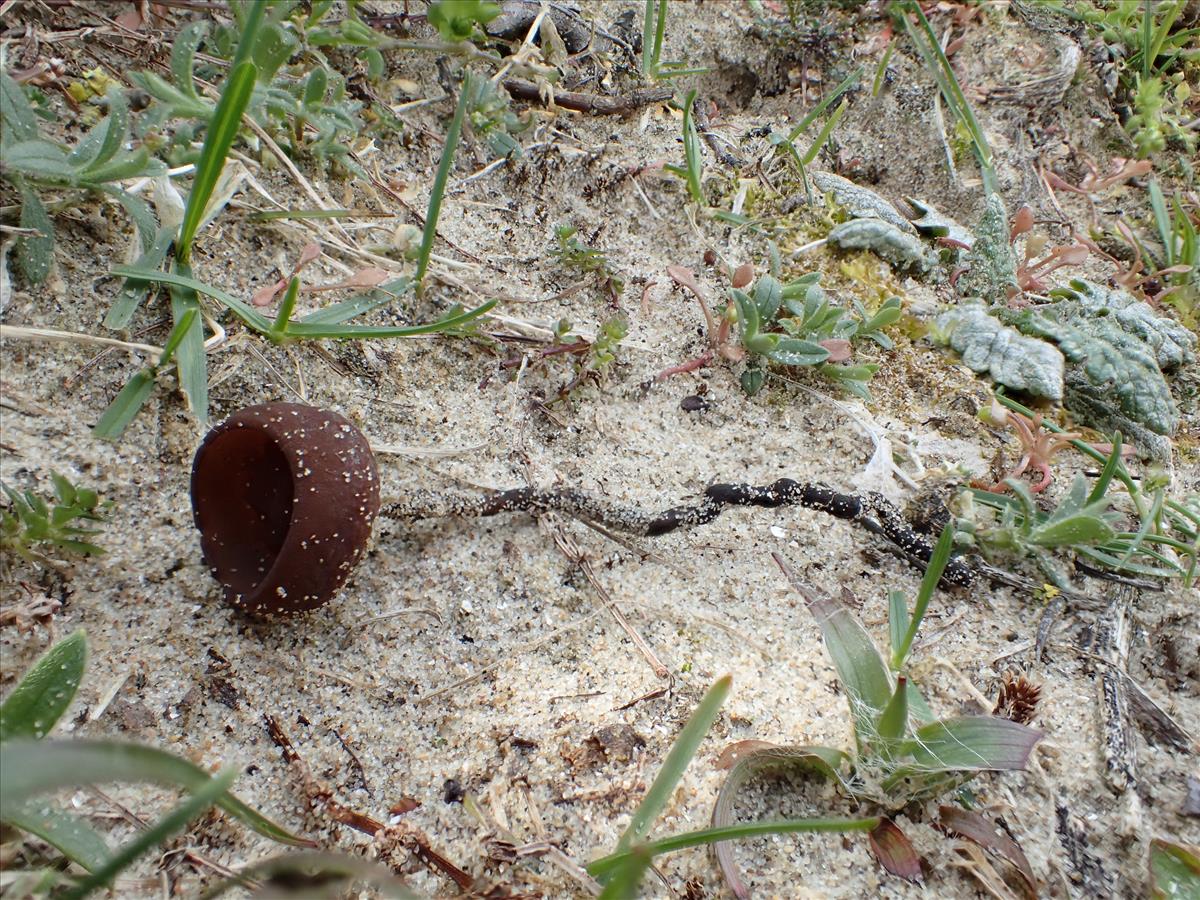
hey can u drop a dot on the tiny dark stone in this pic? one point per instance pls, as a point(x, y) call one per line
point(452, 791)
point(694, 403)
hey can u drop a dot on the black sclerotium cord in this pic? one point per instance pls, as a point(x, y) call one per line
point(873, 512)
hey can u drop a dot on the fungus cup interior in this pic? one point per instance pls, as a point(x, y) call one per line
point(252, 523)
point(284, 496)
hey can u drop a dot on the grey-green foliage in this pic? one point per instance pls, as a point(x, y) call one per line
point(28, 524)
point(860, 202)
point(804, 317)
point(902, 250)
point(1172, 344)
point(992, 264)
point(1010, 358)
point(1108, 357)
point(489, 111)
point(30, 161)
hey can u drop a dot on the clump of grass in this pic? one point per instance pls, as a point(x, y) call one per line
point(30, 527)
point(654, 27)
point(926, 42)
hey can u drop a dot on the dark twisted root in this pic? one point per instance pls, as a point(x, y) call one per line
point(873, 512)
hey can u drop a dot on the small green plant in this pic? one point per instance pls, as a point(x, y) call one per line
point(808, 331)
point(489, 112)
point(622, 871)
point(30, 528)
point(1157, 75)
point(901, 753)
point(577, 256)
point(461, 20)
point(97, 164)
point(33, 766)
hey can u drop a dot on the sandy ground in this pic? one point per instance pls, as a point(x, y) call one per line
point(478, 652)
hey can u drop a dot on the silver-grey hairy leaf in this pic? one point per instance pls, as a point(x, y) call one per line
point(860, 202)
point(930, 222)
point(1172, 343)
point(904, 251)
point(988, 345)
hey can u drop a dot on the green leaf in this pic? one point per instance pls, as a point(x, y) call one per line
point(274, 47)
point(29, 769)
point(40, 160)
point(46, 691)
point(1070, 531)
point(69, 834)
point(34, 253)
point(115, 132)
point(139, 211)
point(20, 122)
point(607, 864)
point(222, 129)
point(626, 876)
point(304, 329)
point(1174, 870)
point(768, 294)
point(190, 357)
point(438, 191)
point(860, 668)
point(337, 313)
point(326, 873)
point(183, 53)
point(897, 619)
point(970, 743)
point(677, 761)
point(893, 721)
point(125, 405)
point(131, 164)
point(796, 352)
point(933, 573)
point(202, 798)
point(134, 290)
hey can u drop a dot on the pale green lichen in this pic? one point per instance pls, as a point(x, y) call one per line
point(904, 251)
point(1011, 359)
point(860, 202)
point(992, 265)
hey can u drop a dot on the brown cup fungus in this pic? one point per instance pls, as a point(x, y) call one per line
point(284, 496)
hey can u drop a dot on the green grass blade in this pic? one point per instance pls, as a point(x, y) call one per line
point(607, 864)
point(626, 878)
point(439, 183)
point(222, 129)
point(43, 695)
point(134, 291)
point(970, 743)
point(1162, 221)
point(125, 406)
point(677, 761)
point(648, 58)
point(190, 355)
point(933, 573)
point(29, 769)
point(846, 83)
point(167, 826)
point(337, 313)
point(69, 834)
point(691, 151)
point(823, 135)
point(303, 329)
point(280, 326)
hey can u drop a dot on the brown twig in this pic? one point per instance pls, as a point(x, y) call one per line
point(588, 103)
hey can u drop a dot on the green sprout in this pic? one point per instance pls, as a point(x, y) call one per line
point(573, 254)
point(30, 527)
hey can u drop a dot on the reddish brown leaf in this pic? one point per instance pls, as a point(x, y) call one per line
point(402, 806)
point(743, 275)
point(985, 833)
point(894, 851)
point(839, 349)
